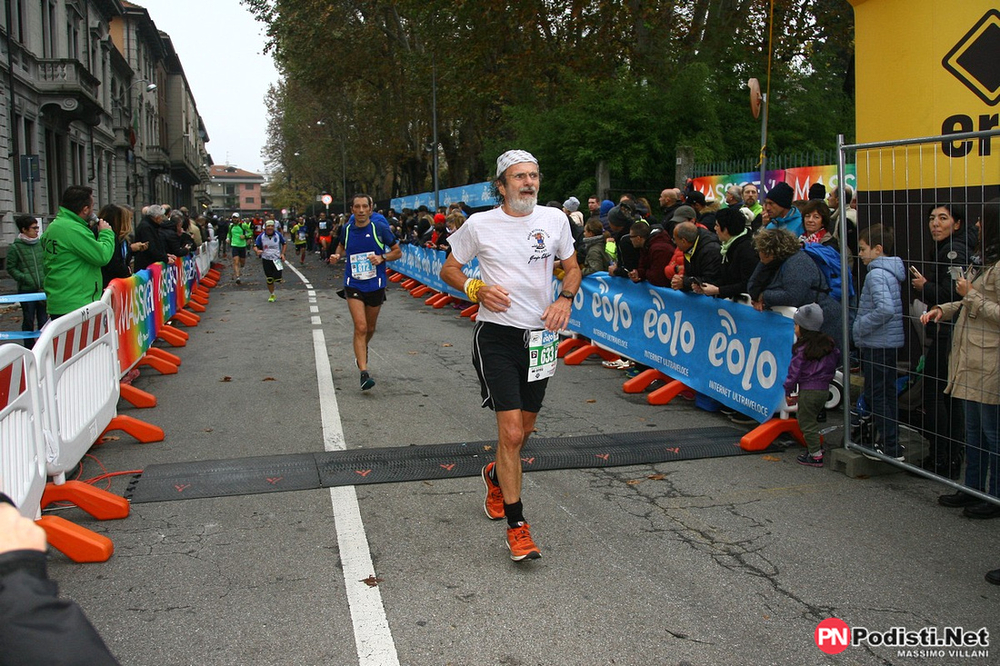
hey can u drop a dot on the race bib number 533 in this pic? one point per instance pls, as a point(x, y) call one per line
point(542, 347)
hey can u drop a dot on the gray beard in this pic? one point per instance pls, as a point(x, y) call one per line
point(523, 205)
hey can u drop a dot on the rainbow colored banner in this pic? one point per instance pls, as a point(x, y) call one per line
point(189, 276)
point(133, 302)
point(800, 178)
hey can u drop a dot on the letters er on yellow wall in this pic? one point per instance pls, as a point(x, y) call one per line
point(926, 68)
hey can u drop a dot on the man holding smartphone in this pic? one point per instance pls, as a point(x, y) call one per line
point(72, 256)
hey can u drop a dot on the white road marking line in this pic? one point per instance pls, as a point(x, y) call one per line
point(372, 635)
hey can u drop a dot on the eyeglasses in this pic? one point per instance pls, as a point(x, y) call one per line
point(531, 175)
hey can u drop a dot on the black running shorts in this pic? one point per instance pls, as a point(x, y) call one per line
point(500, 355)
point(271, 271)
point(240, 252)
point(372, 299)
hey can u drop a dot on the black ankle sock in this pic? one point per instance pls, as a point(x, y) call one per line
point(514, 513)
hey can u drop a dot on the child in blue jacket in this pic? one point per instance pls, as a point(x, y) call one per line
point(878, 333)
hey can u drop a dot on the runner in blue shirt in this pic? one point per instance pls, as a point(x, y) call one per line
point(367, 243)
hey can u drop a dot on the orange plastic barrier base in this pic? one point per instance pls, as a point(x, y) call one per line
point(568, 345)
point(420, 291)
point(664, 394)
point(578, 356)
point(470, 311)
point(195, 305)
point(77, 543)
point(142, 431)
point(156, 362)
point(763, 435)
point(164, 355)
point(641, 381)
point(99, 503)
point(173, 336)
point(213, 274)
point(397, 277)
point(443, 300)
point(137, 397)
point(409, 284)
point(186, 318)
point(200, 297)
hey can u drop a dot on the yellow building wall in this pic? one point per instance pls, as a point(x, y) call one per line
point(911, 57)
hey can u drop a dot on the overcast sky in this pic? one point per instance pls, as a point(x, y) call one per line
point(221, 49)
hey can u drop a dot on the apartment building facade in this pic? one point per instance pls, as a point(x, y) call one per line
point(91, 92)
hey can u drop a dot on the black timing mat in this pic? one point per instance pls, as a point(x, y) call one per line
point(306, 471)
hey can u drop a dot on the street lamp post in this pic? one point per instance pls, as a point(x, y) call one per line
point(434, 122)
point(134, 132)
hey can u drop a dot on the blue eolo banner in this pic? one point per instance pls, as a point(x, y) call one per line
point(424, 266)
point(725, 350)
point(476, 195)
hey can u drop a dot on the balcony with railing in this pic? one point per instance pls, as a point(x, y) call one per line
point(69, 91)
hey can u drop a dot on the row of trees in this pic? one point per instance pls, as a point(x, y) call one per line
point(624, 82)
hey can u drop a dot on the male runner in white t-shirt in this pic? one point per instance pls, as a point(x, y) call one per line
point(515, 337)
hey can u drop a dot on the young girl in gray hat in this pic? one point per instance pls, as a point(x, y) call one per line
point(814, 364)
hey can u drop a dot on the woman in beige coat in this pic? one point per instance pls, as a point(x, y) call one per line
point(974, 366)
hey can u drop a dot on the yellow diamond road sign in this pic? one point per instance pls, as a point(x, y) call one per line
point(975, 59)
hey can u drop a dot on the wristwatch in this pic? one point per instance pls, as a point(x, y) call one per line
point(567, 294)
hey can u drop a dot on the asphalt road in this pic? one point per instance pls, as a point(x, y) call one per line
point(716, 561)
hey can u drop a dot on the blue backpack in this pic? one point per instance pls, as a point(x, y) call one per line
point(828, 261)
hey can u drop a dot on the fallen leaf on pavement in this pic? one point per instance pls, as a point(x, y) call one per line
point(447, 344)
point(371, 581)
point(634, 482)
point(591, 401)
point(656, 477)
point(770, 458)
point(269, 379)
point(226, 379)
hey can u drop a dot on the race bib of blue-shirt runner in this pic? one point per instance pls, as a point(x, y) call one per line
point(542, 347)
point(362, 267)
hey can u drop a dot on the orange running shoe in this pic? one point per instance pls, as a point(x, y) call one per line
point(520, 544)
point(494, 496)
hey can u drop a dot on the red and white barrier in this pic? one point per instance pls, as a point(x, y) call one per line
point(78, 373)
point(22, 450)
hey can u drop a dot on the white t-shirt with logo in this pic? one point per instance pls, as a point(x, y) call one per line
point(518, 254)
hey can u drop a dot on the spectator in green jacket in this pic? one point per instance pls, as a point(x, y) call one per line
point(24, 263)
point(73, 257)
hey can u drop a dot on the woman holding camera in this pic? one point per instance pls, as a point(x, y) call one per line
point(974, 366)
point(935, 285)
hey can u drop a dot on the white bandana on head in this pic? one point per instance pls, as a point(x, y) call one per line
point(512, 157)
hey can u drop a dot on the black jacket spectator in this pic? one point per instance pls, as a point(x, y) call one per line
point(737, 267)
point(705, 262)
point(148, 231)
